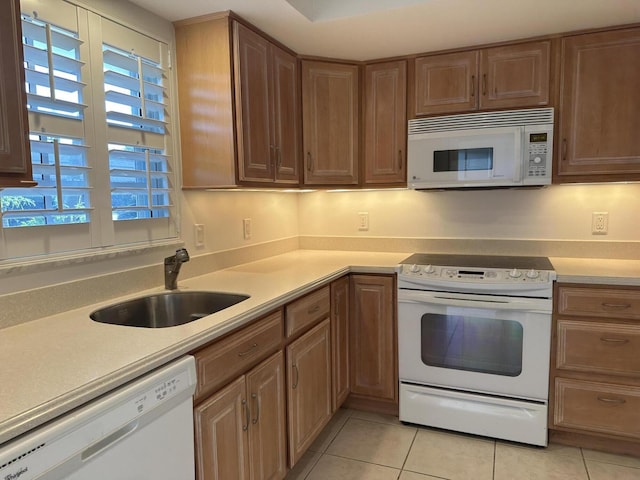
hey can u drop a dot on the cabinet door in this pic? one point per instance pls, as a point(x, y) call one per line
point(374, 371)
point(330, 123)
point(267, 435)
point(385, 123)
point(515, 76)
point(340, 341)
point(599, 116)
point(309, 388)
point(446, 83)
point(286, 116)
point(255, 148)
point(15, 156)
point(221, 424)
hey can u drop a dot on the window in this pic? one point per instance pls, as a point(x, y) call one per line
point(98, 96)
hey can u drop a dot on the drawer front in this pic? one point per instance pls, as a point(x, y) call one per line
point(222, 361)
point(592, 302)
point(597, 407)
point(608, 348)
point(307, 311)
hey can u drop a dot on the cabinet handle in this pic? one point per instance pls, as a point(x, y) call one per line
point(564, 149)
point(28, 183)
point(616, 341)
point(399, 159)
point(272, 149)
point(247, 352)
point(313, 309)
point(246, 414)
point(618, 306)
point(297, 377)
point(278, 158)
point(484, 84)
point(612, 401)
point(255, 397)
point(309, 162)
point(473, 85)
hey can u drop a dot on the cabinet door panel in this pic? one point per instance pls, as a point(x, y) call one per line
point(340, 341)
point(221, 435)
point(385, 123)
point(309, 388)
point(515, 76)
point(267, 436)
point(446, 83)
point(599, 117)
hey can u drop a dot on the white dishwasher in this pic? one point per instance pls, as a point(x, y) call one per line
point(143, 430)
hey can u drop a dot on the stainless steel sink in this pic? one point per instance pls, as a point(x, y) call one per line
point(166, 309)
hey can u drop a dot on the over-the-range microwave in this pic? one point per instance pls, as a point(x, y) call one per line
point(491, 149)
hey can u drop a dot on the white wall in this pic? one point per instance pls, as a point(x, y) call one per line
point(559, 212)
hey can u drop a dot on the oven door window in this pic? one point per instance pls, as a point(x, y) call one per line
point(474, 344)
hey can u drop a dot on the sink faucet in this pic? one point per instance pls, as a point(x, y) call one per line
point(172, 266)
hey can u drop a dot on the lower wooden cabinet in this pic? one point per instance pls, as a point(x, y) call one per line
point(340, 342)
point(240, 430)
point(308, 388)
point(373, 343)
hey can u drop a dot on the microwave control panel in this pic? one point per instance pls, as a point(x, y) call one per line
point(538, 148)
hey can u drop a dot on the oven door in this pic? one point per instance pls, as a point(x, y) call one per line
point(480, 343)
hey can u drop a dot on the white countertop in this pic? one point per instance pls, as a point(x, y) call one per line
point(54, 364)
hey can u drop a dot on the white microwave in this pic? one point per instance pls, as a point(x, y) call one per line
point(491, 149)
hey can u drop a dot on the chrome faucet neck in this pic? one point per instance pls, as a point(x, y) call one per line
point(172, 266)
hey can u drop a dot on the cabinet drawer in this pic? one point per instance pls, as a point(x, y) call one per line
point(232, 356)
point(608, 348)
point(597, 407)
point(310, 309)
point(597, 302)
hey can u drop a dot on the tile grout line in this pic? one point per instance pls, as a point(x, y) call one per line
point(584, 462)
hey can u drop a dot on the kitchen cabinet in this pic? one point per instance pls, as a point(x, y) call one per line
point(373, 343)
point(308, 388)
point(240, 431)
point(509, 76)
point(330, 123)
point(15, 153)
point(595, 375)
point(340, 386)
point(599, 117)
point(385, 130)
point(239, 105)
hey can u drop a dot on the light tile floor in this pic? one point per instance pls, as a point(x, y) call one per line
point(363, 446)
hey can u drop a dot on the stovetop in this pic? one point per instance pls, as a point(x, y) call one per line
point(479, 261)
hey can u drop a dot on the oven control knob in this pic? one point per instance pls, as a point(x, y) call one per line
point(533, 273)
point(515, 273)
point(429, 269)
point(414, 269)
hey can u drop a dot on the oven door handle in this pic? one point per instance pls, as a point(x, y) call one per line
point(533, 305)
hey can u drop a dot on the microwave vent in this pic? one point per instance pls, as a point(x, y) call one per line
point(507, 118)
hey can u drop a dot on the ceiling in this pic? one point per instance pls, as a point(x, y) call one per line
point(368, 29)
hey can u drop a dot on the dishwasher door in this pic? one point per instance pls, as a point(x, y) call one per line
point(143, 430)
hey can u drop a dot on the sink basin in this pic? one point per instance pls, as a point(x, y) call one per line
point(166, 309)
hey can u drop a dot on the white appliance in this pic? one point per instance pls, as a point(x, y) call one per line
point(474, 338)
point(143, 430)
point(490, 149)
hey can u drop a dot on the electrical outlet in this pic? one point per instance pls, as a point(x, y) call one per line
point(599, 223)
point(246, 228)
point(198, 229)
point(363, 221)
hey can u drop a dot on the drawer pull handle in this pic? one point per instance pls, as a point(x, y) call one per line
point(616, 341)
point(247, 352)
point(612, 401)
point(297, 375)
point(246, 414)
point(620, 306)
point(313, 309)
point(255, 397)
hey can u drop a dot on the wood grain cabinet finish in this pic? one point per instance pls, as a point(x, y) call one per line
point(239, 106)
point(240, 431)
point(308, 388)
point(385, 131)
point(340, 342)
point(330, 123)
point(599, 116)
point(15, 156)
point(595, 378)
point(511, 76)
point(373, 338)
point(301, 314)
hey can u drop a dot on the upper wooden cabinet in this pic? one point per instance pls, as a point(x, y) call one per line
point(511, 76)
point(599, 118)
point(330, 123)
point(239, 106)
point(15, 155)
point(385, 119)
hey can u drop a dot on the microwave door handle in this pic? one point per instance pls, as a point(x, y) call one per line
point(520, 162)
